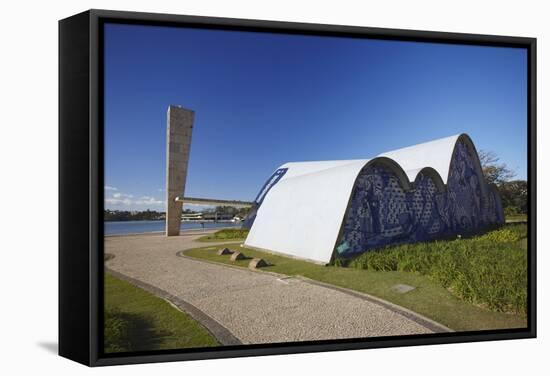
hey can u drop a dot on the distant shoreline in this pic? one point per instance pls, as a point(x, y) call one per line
point(134, 220)
point(162, 220)
point(158, 227)
point(190, 231)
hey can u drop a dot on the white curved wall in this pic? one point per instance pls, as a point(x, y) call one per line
point(436, 154)
point(301, 214)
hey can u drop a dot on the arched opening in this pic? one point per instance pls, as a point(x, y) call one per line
point(377, 213)
point(434, 176)
point(426, 202)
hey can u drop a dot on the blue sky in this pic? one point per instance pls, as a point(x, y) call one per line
point(261, 100)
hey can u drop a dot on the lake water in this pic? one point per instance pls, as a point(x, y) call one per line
point(136, 227)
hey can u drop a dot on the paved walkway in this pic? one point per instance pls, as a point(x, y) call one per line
point(253, 307)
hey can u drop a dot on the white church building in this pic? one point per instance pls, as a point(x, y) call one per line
point(321, 210)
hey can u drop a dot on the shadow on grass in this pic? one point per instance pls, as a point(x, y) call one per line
point(130, 332)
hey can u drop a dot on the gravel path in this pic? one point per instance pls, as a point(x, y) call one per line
point(254, 307)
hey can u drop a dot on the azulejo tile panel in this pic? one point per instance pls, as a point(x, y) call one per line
point(381, 212)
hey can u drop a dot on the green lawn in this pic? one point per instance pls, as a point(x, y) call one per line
point(489, 270)
point(429, 298)
point(517, 217)
point(226, 234)
point(136, 320)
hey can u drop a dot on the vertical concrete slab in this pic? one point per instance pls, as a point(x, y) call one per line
point(178, 143)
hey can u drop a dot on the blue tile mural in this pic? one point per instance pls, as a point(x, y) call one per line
point(381, 212)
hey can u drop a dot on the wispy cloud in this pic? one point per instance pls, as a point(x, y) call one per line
point(118, 201)
point(122, 195)
point(109, 188)
point(148, 200)
point(127, 200)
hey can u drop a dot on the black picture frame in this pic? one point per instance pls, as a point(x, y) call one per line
point(81, 183)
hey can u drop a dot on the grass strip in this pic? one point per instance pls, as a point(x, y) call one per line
point(136, 320)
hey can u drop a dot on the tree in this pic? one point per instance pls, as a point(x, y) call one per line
point(513, 193)
point(514, 196)
point(494, 171)
point(226, 210)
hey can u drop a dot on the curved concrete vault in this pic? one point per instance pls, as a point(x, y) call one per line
point(318, 210)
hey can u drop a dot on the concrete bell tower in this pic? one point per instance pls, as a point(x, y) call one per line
point(179, 126)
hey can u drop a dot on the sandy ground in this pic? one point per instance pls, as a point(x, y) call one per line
point(254, 307)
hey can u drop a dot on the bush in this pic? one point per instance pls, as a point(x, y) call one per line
point(511, 210)
point(501, 236)
point(230, 234)
point(488, 270)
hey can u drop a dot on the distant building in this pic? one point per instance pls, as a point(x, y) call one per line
point(213, 216)
point(319, 210)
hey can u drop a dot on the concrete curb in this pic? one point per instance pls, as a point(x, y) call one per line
point(220, 333)
point(426, 322)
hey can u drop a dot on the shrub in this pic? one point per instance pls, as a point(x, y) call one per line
point(501, 236)
point(511, 210)
point(488, 270)
point(230, 234)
